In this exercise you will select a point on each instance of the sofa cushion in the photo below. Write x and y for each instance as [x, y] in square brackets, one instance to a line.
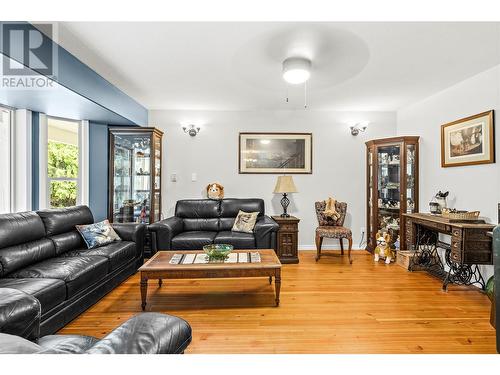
[194, 240]
[50, 292]
[208, 225]
[61, 220]
[98, 234]
[15, 257]
[239, 240]
[197, 209]
[20, 228]
[77, 272]
[69, 344]
[67, 241]
[19, 314]
[118, 253]
[230, 207]
[245, 222]
[11, 344]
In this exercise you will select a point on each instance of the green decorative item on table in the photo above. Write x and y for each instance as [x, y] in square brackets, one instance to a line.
[218, 251]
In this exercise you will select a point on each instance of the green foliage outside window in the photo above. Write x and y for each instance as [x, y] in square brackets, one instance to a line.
[62, 163]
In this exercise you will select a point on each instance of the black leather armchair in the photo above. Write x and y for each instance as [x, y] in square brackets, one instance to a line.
[147, 333]
[199, 222]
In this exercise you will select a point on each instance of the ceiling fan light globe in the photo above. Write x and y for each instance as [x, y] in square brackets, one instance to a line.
[296, 70]
[296, 76]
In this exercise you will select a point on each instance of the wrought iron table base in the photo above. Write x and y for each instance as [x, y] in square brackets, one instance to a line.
[426, 258]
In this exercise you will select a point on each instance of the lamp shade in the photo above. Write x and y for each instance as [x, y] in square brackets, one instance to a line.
[285, 185]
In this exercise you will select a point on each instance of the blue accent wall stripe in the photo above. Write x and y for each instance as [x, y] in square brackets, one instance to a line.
[98, 170]
[78, 79]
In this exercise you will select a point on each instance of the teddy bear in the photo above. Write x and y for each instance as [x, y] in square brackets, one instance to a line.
[383, 250]
[215, 191]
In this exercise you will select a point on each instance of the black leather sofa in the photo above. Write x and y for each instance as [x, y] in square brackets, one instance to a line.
[147, 333]
[199, 222]
[43, 255]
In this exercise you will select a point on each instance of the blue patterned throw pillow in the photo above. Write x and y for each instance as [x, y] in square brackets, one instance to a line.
[98, 234]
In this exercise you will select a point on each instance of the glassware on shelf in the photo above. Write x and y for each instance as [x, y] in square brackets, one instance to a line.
[134, 176]
[392, 186]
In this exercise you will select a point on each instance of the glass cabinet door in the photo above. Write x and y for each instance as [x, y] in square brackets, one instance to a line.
[388, 189]
[157, 179]
[411, 200]
[131, 178]
[371, 226]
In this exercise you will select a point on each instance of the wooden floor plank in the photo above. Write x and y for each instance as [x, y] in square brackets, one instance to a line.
[326, 307]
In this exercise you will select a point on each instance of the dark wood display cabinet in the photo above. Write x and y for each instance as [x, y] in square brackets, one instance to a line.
[288, 241]
[135, 175]
[391, 187]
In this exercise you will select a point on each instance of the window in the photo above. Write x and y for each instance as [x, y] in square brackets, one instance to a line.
[62, 162]
[5, 159]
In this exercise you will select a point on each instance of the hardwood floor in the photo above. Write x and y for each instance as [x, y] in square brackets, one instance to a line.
[326, 307]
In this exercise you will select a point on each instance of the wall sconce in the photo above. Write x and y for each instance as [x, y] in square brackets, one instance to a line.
[359, 127]
[192, 130]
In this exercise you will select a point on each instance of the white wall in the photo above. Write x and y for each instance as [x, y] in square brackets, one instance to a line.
[338, 159]
[471, 187]
[474, 187]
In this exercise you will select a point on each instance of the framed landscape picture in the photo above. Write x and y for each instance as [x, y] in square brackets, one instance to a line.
[468, 141]
[275, 153]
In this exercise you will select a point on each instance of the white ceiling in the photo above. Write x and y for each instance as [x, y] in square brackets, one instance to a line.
[237, 66]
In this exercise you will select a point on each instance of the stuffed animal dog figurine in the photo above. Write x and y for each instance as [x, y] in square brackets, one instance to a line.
[383, 250]
[330, 210]
[215, 191]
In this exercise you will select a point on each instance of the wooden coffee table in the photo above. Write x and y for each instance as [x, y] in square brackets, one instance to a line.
[158, 267]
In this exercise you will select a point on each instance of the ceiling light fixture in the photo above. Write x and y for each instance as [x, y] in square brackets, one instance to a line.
[296, 70]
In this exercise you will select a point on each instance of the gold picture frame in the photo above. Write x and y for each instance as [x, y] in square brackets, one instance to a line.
[275, 153]
[468, 141]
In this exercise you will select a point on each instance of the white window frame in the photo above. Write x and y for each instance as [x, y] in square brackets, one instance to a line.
[22, 161]
[83, 163]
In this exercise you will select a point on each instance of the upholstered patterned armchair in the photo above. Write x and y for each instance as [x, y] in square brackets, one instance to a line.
[330, 228]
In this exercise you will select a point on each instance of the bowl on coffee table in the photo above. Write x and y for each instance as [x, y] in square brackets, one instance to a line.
[218, 251]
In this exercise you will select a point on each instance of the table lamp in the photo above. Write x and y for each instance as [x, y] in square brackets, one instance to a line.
[285, 185]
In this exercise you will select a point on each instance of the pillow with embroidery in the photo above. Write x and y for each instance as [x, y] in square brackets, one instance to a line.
[245, 222]
[98, 234]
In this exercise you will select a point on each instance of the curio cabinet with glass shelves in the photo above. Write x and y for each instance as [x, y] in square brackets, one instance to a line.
[392, 187]
[135, 175]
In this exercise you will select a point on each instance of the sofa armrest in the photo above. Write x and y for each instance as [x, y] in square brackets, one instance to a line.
[19, 314]
[146, 333]
[131, 232]
[265, 232]
[165, 230]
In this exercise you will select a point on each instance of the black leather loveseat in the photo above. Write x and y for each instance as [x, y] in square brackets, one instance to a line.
[43, 255]
[199, 222]
[147, 333]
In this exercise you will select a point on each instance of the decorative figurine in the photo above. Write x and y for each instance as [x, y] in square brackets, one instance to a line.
[383, 250]
[397, 244]
[441, 200]
[330, 210]
[215, 191]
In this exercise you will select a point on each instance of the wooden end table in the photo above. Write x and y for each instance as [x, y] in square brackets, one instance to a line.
[158, 267]
[288, 240]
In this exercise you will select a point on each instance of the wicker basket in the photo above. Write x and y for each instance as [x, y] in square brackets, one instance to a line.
[472, 215]
[403, 258]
